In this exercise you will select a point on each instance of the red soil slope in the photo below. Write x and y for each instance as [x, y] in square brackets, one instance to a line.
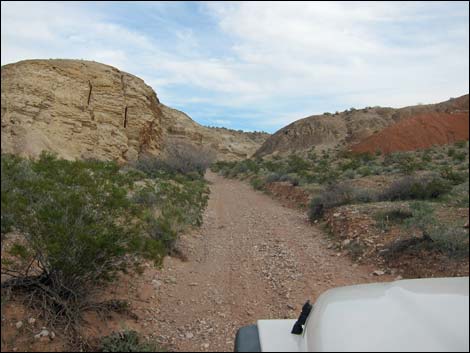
[417, 132]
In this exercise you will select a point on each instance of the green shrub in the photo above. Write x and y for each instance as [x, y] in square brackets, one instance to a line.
[82, 224]
[365, 171]
[257, 183]
[416, 188]
[453, 176]
[360, 195]
[126, 341]
[349, 174]
[273, 177]
[408, 164]
[459, 156]
[366, 157]
[460, 144]
[384, 219]
[333, 196]
[459, 195]
[356, 249]
[76, 220]
[296, 164]
[449, 239]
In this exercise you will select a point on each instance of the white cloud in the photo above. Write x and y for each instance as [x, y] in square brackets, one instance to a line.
[278, 59]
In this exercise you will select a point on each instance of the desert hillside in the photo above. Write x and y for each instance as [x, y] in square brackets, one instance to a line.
[352, 126]
[419, 132]
[82, 109]
[228, 144]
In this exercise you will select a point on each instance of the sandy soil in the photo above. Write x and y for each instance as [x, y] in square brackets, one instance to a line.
[252, 259]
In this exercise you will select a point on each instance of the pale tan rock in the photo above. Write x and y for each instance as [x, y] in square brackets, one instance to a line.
[83, 109]
[78, 109]
[226, 143]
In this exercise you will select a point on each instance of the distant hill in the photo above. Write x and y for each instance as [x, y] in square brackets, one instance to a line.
[351, 127]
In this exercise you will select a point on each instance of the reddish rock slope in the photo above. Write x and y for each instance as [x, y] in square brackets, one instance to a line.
[420, 131]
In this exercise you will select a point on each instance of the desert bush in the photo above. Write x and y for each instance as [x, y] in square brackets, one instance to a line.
[182, 158]
[82, 224]
[426, 156]
[455, 177]
[356, 249]
[366, 157]
[460, 144]
[333, 196]
[296, 164]
[459, 195]
[126, 341]
[416, 188]
[273, 177]
[449, 239]
[75, 219]
[219, 165]
[459, 156]
[384, 219]
[150, 165]
[349, 174]
[186, 158]
[452, 241]
[275, 166]
[365, 171]
[360, 195]
[408, 164]
[351, 164]
[257, 183]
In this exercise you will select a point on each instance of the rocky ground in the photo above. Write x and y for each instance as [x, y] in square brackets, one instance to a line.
[252, 259]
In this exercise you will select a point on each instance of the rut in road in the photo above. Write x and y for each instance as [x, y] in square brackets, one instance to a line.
[252, 259]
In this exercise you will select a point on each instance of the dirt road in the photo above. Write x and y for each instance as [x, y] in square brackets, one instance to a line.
[252, 259]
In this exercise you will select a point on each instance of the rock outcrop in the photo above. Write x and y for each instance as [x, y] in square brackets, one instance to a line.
[78, 109]
[341, 130]
[84, 109]
[226, 143]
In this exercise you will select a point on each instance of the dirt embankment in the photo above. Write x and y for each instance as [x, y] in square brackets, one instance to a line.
[418, 132]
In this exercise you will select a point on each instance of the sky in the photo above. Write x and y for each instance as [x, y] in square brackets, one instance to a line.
[258, 66]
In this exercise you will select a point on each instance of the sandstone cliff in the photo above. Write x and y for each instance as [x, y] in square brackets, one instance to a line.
[83, 109]
[78, 109]
[340, 130]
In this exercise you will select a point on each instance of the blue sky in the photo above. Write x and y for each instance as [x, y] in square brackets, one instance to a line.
[258, 66]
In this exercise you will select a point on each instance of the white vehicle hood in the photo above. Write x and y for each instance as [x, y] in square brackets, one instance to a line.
[407, 315]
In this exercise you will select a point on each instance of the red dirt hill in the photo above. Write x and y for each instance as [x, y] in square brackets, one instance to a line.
[417, 132]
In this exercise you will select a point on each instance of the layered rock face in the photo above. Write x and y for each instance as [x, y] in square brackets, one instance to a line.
[228, 144]
[82, 109]
[78, 109]
[351, 127]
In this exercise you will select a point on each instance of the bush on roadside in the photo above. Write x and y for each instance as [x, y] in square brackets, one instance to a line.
[416, 188]
[126, 341]
[76, 222]
[333, 196]
[182, 158]
[82, 222]
[257, 183]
